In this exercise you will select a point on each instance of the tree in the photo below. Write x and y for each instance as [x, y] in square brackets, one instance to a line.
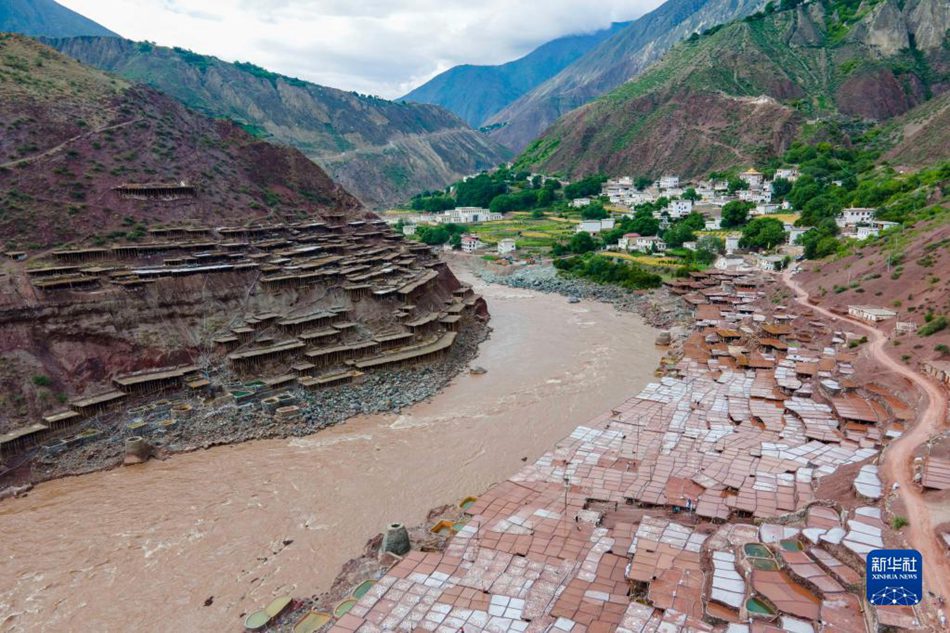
[642, 182]
[737, 184]
[594, 211]
[735, 213]
[478, 191]
[762, 233]
[690, 194]
[781, 187]
[677, 234]
[582, 243]
[585, 187]
[711, 244]
[433, 235]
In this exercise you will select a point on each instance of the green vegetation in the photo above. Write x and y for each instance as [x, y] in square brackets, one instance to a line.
[762, 233]
[585, 188]
[441, 234]
[42, 381]
[605, 270]
[898, 522]
[933, 325]
[736, 213]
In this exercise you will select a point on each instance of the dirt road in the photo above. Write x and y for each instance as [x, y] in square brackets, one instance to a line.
[897, 460]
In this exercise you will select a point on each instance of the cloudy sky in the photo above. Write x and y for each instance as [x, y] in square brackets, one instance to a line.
[382, 47]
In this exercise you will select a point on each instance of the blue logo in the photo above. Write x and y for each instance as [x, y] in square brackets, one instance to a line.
[895, 577]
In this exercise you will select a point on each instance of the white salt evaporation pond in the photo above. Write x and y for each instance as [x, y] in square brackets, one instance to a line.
[143, 547]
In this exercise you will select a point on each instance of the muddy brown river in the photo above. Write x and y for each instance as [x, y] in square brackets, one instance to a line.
[143, 547]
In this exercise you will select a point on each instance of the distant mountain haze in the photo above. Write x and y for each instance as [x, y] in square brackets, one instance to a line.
[475, 93]
[46, 18]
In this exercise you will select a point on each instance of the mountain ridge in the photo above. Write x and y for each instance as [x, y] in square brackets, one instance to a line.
[617, 59]
[73, 134]
[475, 92]
[48, 19]
[381, 151]
[742, 92]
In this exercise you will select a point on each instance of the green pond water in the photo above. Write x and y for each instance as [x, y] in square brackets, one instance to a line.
[756, 550]
[791, 545]
[754, 605]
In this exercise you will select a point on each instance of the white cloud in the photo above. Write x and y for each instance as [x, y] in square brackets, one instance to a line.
[383, 47]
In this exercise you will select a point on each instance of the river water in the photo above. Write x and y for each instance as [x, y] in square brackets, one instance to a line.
[143, 547]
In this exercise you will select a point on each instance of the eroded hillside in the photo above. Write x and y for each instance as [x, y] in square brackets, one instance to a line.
[381, 151]
[741, 93]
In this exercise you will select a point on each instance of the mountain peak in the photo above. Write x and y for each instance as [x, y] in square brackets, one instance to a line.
[46, 18]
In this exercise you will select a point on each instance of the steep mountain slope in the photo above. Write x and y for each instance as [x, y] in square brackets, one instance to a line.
[615, 60]
[383, 152]
[920, 137]
[47, 18]
[72, 133]
[739, 94]
[475, 93]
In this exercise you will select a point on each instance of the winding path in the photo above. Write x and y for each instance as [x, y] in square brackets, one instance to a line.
[897, 459]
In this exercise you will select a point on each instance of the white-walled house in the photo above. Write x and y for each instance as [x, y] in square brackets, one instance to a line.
[595, 226]
[871, 313]
[643, 243]
[681, 208]
[713, 225]
[578, 203]
[788, 173]
[409, 229]
[690, 246]
[855, 216]
[470, 243]
[771, 263]
[795, 232]
[753, 177]
[506, 246]
[669, 182]
[871, 229]
[732, 243]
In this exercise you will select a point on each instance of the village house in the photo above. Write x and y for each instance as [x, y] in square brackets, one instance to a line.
[752, 177]
[871, 229]
[409, 229]
[690, 246]
[714, 224]
[470, 243]
[619, 189]
[854, 216]
[771, 263]
[669, 182]
[729, 263]
[787, 173]
[732, 243]
[594, 226]
[680, 208]
[795, 232]
[578, 203]
[506, 246]
[871, 313]
[642, 243]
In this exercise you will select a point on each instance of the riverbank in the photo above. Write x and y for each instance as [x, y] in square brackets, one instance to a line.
[201, 426]
[230, 510]
[659, 307]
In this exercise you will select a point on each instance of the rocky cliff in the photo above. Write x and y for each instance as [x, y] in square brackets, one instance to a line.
[381, 151]
[741, 93]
